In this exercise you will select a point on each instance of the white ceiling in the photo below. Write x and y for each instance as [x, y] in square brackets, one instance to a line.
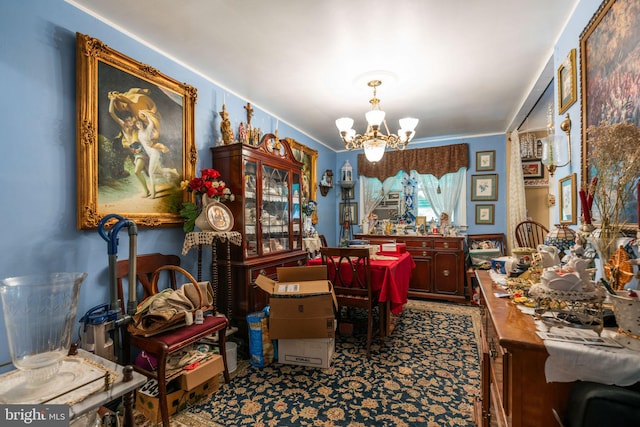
[463, 67]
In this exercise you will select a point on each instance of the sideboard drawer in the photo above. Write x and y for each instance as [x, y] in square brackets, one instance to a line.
[448, 244]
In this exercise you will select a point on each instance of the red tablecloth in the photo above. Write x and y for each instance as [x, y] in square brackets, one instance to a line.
[391, 276]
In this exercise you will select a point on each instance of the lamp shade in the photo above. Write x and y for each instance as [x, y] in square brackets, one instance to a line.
[374, 149]
[562, 237]
[344, 124]
[374, 117]
[408, 124]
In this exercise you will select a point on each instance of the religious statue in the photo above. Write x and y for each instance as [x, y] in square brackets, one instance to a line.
[225, 126]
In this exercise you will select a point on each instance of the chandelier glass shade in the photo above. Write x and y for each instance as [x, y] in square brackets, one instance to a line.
[374, 141]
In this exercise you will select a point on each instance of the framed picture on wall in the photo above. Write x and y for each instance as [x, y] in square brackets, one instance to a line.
[568, 205]
[485, 214]
[349, 212]
[567, 87]
[484, 187]
[309, 159]
[486, 160]
[607, 80]
[134, 138]
[532, 169]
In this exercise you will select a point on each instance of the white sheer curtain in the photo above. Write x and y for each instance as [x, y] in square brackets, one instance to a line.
[450, 185]
[372, 194]
[373, 191]
[516, 202]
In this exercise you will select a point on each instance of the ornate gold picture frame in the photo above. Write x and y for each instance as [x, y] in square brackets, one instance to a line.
[134, 138]
[567, 86]
[609, 71]
[309, 159]
[568, 196]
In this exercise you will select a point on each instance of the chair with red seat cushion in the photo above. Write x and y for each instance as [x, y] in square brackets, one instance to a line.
[166, 343]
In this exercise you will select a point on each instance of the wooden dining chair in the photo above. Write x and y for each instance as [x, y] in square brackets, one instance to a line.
[349, 270]
[530, 234]
[166, 343]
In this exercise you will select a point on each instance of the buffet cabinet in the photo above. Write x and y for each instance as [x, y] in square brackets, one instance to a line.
[266, 182]
[439, 272]
[514, 390]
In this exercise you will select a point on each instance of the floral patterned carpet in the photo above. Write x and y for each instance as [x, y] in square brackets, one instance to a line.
[427, 374]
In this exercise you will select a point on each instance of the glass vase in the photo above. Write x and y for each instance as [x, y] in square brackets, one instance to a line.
[39, 314]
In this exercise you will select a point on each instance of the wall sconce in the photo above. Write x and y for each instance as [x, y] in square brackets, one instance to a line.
[552, 156]
[326, 183]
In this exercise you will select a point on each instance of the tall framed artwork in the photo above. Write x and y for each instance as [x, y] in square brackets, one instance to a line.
[568, 203]
[309, 159]
[134, 138]
[567, 86]
[610, 71]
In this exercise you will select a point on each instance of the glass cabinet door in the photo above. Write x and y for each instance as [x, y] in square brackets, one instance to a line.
[274, 220]
[296, 215]
[250, 208]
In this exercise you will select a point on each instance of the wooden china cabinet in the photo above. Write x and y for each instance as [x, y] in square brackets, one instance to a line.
[266, 180]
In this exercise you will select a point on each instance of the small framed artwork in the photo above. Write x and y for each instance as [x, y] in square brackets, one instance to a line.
[486, 160]
[567, 192]
[349, 212]
[485, 214]
[567, 86]
[532, 169]
[484, 187]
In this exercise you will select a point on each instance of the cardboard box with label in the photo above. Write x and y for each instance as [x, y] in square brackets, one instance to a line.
[148, 402]
[204, 371]
[302, 303]
[316, 352]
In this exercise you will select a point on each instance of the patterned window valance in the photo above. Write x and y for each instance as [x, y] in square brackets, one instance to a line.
[436, 161]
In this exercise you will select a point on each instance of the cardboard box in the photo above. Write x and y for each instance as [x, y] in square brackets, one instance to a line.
[205, 370]
[302, 303]
[148, 402]
[316, 353]
[393, 248]
[388, 247]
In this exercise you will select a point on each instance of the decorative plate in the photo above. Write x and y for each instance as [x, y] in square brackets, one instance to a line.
[219, 216]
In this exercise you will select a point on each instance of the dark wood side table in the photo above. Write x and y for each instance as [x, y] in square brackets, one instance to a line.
[213, 239]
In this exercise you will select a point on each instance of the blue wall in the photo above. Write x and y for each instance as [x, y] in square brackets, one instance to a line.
[37, 170]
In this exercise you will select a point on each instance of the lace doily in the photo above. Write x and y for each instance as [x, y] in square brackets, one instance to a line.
[539, 291]
[196, 238]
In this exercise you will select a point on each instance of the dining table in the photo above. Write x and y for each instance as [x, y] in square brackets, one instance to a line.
[390, 273]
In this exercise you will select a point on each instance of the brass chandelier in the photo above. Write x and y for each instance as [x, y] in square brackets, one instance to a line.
[374, 141]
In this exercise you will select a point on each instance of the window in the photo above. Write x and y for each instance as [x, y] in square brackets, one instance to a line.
[412, 188]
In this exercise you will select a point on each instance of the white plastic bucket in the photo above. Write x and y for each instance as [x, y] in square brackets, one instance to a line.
[232, 355]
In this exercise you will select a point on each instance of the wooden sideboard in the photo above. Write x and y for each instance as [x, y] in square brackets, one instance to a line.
[439, 272]
[514, 389]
